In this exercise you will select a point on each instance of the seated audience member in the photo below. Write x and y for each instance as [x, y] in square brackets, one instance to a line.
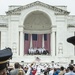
[5, 55]
[37, 52]
[44, 52]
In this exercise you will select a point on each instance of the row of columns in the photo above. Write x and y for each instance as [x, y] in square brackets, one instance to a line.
[53, 42]
[42, 42]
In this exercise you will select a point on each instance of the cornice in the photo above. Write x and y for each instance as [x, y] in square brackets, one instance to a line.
[3, 25]
[57, 13]
[37, 31]
[35, 4]
[3, 17]
[54, 26]
[13, 13]
[71, 25]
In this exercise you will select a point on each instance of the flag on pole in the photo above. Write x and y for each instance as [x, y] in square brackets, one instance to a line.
[37, 59]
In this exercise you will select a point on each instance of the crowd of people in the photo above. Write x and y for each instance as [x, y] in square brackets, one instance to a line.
[34, 51]
[41, 69]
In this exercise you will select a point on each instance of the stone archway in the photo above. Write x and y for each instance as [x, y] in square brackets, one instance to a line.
[37, 21]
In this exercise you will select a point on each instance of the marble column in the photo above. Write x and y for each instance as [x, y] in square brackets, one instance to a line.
[53, 50]
[31, 41]
[43, 41]
[21, 43]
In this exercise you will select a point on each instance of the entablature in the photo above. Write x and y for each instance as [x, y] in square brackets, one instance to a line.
[37, 3]
[3, 25]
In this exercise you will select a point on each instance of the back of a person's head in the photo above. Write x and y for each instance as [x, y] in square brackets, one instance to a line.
[55, 69]
[21, 72]
[62, 68]
[17, 65]
[67, 69]
[71, 67]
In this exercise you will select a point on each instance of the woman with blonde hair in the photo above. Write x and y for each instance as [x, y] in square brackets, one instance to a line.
[21, 72]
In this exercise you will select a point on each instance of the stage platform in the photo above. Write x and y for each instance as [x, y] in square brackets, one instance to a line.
[40, 59]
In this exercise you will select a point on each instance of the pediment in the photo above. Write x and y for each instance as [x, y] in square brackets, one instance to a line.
[37, 3]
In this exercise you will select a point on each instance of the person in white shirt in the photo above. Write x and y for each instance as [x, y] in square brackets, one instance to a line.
[38, 72]
[29, 69]
[70, 71]
[51, 71]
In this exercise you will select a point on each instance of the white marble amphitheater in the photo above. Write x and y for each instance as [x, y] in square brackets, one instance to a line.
[31, 29]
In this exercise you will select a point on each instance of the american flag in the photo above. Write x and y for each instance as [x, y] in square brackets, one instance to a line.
[37, 59]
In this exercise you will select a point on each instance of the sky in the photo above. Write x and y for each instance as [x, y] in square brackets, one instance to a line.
[4, 4]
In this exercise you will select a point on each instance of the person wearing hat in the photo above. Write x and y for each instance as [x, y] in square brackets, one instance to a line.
[5, 55]
[71, 67]
[71, 40]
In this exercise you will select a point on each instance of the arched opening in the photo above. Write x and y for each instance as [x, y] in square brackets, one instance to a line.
[37, 21]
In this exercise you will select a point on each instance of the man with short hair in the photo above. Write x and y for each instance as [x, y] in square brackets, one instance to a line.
[62, 72]
[70, 70]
